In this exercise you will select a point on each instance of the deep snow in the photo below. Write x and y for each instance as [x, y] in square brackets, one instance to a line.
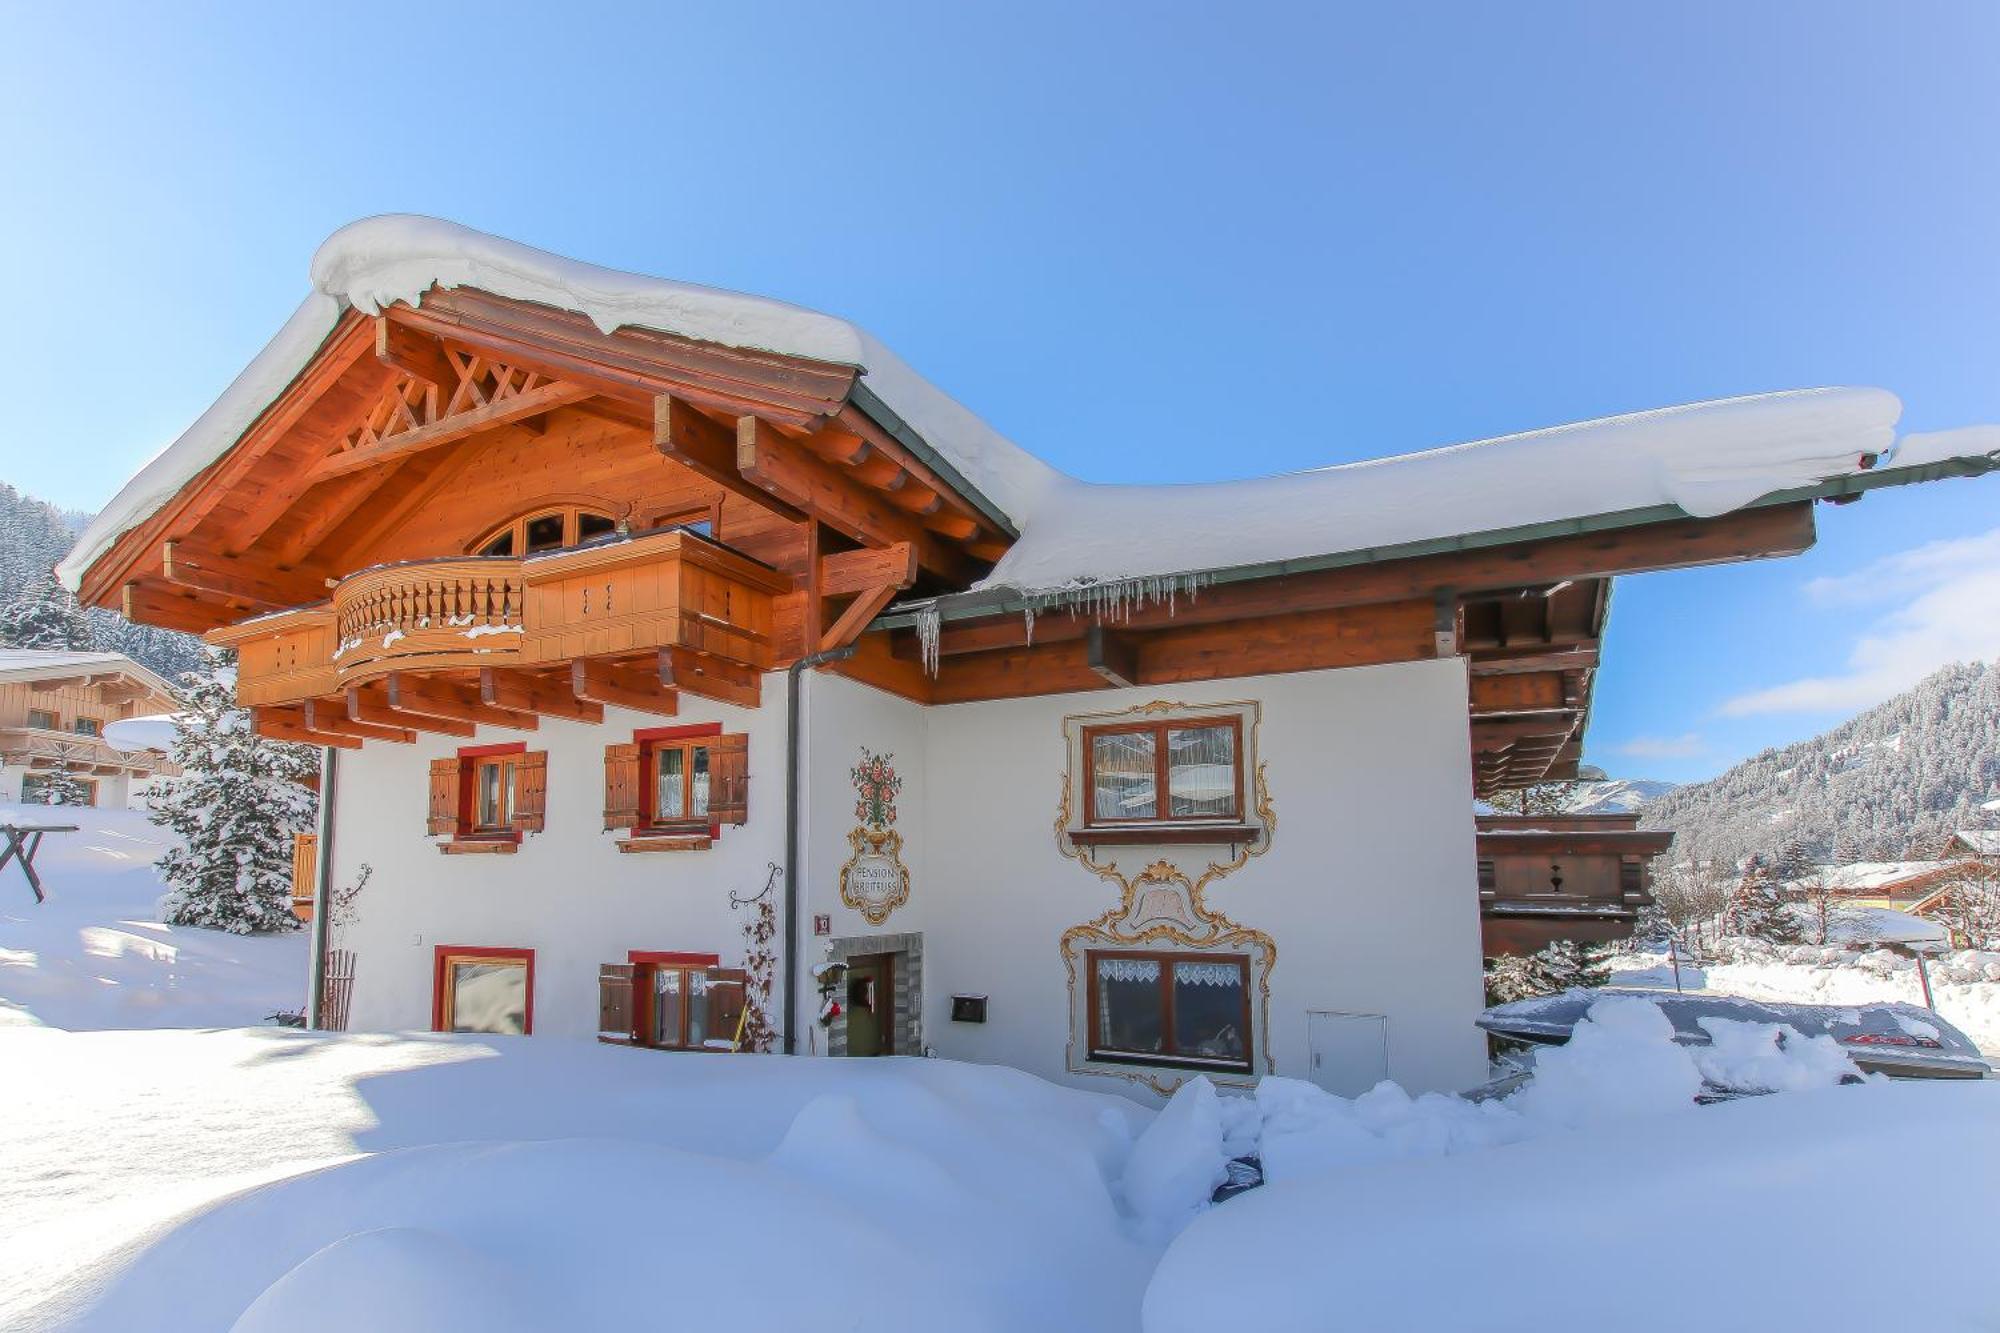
[96, 955]
[276, 1179]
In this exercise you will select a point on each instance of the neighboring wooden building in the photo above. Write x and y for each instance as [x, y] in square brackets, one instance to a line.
[1544, 878]
[641, 602]
[54, 707]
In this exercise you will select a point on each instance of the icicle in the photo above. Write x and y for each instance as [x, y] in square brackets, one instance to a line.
[928, 622]
[1028, 622]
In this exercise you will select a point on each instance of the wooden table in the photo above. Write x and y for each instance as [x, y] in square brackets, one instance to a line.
[24, 840]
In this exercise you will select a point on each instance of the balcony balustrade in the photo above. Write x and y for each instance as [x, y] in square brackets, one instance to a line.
[670, 589]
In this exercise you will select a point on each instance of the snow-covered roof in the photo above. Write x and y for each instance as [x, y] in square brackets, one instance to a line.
[1983, 841]
[17, 664]
[1866, 876]
[1707, 458]
[154, 731]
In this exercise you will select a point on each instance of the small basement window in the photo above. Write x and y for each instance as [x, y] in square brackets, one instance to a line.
[1188, 770]
[1188, 1011]
[484, 990]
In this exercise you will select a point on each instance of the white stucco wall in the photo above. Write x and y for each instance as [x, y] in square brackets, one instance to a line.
[1367, 888]
[569, 893]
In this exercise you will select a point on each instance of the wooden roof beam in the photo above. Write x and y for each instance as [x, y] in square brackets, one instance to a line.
[415, 354]
[288, 724]
[710, 677]
[368, 703]
[332, 719]
[623, 686]
[684, 433]
[524, 692]
[450, 429]
[446, 699]
[793, 473]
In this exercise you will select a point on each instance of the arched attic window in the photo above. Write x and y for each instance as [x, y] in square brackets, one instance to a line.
[546, 529]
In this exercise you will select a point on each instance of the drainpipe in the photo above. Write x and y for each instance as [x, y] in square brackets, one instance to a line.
[793, 676]
[322, 886]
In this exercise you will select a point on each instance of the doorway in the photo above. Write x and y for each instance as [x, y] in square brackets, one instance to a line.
[871, 1005]
[881, 995]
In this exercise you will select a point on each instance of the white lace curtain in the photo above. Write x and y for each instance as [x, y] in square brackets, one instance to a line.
[1207, 974]
[1127, 969]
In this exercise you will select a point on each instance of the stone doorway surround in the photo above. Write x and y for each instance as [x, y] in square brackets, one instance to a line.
[906, 956]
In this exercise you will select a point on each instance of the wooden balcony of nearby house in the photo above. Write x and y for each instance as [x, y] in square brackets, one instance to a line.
[1544, 878]
[407, 646]
[44, 750]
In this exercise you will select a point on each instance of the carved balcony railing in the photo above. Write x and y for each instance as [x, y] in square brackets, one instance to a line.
[669, 589]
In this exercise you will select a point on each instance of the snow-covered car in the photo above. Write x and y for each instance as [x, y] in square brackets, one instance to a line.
[1896, 1039]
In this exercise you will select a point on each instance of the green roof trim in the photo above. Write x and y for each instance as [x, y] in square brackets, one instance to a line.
[1002, 601]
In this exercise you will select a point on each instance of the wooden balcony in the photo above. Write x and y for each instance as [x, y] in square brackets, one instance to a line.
[459, 616]
[41, 750]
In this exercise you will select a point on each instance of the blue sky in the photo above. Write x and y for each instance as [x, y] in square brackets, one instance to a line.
[1161, 242]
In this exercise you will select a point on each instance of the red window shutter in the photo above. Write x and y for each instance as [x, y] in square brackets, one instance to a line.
[621, 786]
[727, 991]
[614, 1002]
[444, 797]
[531, 791]
[729, 779]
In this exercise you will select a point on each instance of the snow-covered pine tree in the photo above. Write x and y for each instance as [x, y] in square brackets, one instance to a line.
[46, 617]
[1759, 908]
[1543, 798]
[61, 786]
[1563, 965]
[238, 803]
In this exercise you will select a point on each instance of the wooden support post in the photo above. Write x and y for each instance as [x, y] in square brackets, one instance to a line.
[1445, 623]
[864, 608]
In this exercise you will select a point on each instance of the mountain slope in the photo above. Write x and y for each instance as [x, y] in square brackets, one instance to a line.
[1615, 796]
[1894, 781]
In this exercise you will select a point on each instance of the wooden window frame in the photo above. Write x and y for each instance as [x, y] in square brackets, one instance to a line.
[441, 999]
[646, 963]
[572, 517]
[1167, 1058]
[1162, 796]
[54, 717]
[96, 726]
[471, 759]
[651, 741]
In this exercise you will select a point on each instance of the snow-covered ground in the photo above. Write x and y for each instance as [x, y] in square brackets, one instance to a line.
[96, 955]
[274, 1179]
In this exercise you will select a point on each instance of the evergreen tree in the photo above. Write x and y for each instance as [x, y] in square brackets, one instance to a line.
[236, 807]
[61, 787]
[1543, 798]
[1759, 908]
[1563, 965]
[47, 617]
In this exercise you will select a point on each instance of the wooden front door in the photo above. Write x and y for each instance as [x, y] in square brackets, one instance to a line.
[871, 1009]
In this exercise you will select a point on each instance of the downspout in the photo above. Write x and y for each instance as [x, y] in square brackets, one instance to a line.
[322, 886]
[793, 676]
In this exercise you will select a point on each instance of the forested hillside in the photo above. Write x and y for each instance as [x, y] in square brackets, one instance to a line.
[1891, 784]
[33, 536]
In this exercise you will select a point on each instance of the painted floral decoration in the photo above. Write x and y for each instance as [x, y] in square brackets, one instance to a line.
[876, 783]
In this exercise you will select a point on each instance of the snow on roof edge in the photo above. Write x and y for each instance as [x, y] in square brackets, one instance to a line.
[378, 261]
[36, 664]
[1706, 458]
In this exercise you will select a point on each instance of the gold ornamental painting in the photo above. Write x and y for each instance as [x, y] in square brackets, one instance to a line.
[875, 882]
